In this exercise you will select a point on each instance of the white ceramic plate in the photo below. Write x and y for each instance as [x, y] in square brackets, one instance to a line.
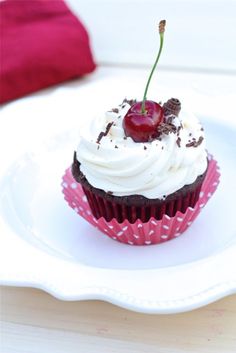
[45, 244]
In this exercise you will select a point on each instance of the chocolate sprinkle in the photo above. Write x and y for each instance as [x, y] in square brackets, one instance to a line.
[195, 143]
[102, 133]
[100, 136]
[167, 128]
[178, 129]
[178, 141]
[115, 110]
[129, 101]
[170, 119]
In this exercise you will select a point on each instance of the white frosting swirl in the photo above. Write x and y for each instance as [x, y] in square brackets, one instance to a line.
[152, 169]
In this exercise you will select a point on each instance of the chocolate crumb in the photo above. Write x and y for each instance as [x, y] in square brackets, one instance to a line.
[123, 106]
[115, 110]
[102, 133]
[110, 140]
[116, 146]
[202, 129]
[109, 192]
[178, 129]
[195, 143]
[170, 119]
[178, 141]
[167, 128]
[162, 147]
[144, 147]
[125, 138]
[129, 101]
[190, 134]
[100, 136]
[98, 147]
[119, 117]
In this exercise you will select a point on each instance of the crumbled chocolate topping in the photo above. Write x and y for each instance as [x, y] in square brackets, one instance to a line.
[170, 119]
[178, 129]
[125, 137]
[202, 129]
[195, 143]
[172, 106]
[190, 134]
[100, 136]
[167, 128]
[190, 144]
[178, 141]
[119, 117]
[162, 147]
[129, 101]
[116, 146]
[102, 133]
[115, 110]
[144, 147]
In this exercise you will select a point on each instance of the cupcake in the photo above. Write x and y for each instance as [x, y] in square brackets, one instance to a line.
[140, 170]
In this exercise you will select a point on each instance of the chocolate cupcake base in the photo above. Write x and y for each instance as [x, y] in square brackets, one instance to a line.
[133, 207]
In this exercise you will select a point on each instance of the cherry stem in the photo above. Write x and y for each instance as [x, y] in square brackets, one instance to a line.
[153, 68]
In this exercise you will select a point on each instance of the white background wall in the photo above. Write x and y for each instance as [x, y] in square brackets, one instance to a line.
[200, 34]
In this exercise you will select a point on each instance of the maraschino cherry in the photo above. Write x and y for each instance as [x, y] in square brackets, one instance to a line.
[143, 118]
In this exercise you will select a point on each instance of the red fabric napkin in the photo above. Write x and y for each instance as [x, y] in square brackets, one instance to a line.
[42, 44]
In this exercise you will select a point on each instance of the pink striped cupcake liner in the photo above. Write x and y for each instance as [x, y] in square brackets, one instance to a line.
[140, 233]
